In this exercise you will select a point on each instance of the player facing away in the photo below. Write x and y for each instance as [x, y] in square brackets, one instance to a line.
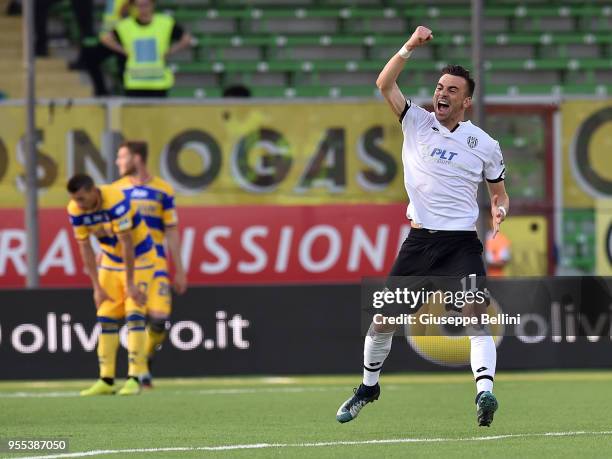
[120, 280]
[443, 210]
[155, 200]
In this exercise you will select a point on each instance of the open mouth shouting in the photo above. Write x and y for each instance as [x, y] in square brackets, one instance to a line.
[443, 107]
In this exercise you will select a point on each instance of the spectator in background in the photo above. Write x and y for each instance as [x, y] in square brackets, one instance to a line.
[115, 11]
[95, 56]
[497, 253]
[146, 41]
[83, 13]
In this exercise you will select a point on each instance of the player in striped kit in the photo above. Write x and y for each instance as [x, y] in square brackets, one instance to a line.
[155, 200]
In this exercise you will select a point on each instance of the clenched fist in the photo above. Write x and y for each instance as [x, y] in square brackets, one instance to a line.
[419, 37]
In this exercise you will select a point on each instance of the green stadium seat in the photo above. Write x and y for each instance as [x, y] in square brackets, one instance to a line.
[312, 47]
[578, 239]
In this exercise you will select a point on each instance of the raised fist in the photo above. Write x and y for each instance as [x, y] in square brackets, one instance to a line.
[419, 37]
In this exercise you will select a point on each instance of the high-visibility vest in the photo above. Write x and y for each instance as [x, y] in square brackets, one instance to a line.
[112, 14]
[146, 47]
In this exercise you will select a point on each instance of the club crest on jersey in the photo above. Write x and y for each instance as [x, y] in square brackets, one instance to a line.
[472, 142]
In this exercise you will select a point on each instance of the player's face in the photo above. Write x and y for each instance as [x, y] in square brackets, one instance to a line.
[145, 9]
[86, 199]
[125, 162]
[451, 98]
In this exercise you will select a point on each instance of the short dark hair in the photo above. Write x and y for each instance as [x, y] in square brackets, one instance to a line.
[137, 147]
[457, 70]
[78, 182]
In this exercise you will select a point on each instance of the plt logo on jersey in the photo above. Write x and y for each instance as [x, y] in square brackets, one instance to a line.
[443, 154]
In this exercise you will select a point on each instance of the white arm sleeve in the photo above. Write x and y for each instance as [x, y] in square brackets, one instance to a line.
[495, 169]
[414, 118]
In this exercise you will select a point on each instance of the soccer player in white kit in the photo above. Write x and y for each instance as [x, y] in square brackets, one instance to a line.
[445, 159]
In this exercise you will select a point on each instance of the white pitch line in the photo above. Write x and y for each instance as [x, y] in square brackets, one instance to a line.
[388, 441]
[39, 394]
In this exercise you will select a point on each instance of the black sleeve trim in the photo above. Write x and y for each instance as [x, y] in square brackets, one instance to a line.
[498, 179]
[408, 104]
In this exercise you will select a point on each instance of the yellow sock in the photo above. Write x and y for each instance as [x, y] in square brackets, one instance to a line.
[108, 343]
[154, 340]
[137, 359]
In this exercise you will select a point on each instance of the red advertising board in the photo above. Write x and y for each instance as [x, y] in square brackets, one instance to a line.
[233, 244]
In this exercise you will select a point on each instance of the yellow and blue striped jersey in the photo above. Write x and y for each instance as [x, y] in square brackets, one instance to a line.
[115, 215]
[155, 202]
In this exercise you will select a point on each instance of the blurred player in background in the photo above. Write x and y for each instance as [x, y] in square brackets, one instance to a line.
[155, 201]
[498, 252]
[120, 280]
[444, 161]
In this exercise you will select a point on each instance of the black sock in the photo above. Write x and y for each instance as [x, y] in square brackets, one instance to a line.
[109, 381]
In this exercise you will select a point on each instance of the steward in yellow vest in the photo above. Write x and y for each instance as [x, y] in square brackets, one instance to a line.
[147, 40]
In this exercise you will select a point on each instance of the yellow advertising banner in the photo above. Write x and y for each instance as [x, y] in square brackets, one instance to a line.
[528, 237]
[68, 140]
[587, 143]
[603, 237]
[304, 153]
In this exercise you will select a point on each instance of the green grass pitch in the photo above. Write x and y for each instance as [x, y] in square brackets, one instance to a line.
[544, 414]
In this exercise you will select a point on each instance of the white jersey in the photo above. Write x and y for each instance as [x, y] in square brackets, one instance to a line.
[442, 170]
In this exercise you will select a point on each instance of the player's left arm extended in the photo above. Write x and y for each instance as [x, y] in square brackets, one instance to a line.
[180, 277]
[127, 245]
[500, 203]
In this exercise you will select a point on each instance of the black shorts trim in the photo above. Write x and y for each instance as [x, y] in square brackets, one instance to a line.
[424, 233]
